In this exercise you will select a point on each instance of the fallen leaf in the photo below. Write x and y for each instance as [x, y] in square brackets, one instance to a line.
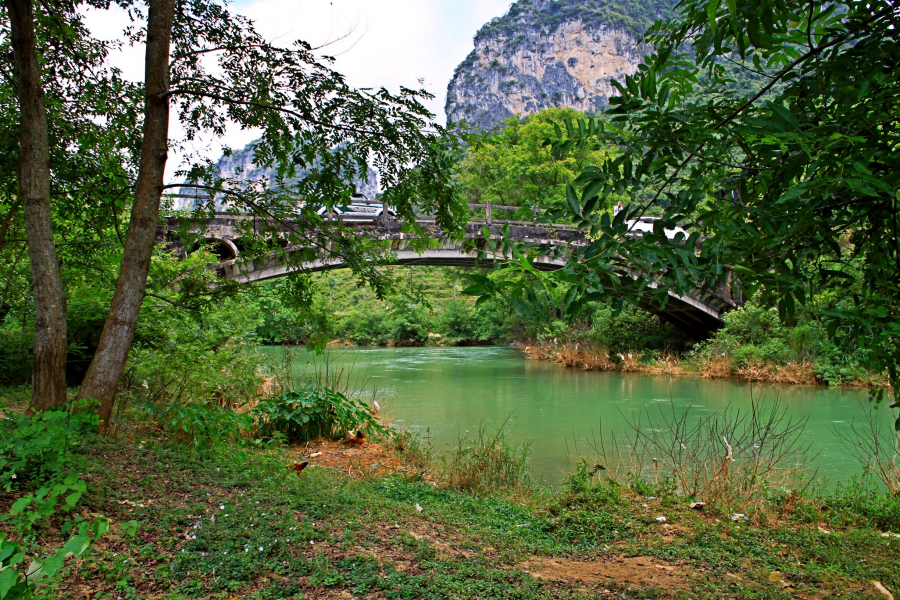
[883, 590]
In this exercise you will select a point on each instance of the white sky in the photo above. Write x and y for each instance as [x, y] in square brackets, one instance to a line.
[391, 43]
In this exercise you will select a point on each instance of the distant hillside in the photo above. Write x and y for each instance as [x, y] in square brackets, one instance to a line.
[546, 53]
[240, 166]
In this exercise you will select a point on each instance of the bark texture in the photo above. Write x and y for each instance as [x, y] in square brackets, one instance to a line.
[102, 379]
[49, 384]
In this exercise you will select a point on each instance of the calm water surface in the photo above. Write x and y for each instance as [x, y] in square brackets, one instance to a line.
[442, 392]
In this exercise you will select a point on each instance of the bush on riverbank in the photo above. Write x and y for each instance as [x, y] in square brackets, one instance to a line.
[759, 346]
[752, 344]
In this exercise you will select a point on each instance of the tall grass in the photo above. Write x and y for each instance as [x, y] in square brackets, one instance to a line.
[325, 373]
[732, 459]
[875, 443]
[485, 463]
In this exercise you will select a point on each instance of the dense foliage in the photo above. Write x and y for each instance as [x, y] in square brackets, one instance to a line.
[792, 188]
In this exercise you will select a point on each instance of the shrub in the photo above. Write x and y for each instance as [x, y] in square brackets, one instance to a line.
[753, 339]
[19, 579]
[632, 330]
[35, 449]
[410, 323]
[200, 422]
[312, 412]
[493, 323]
[457, 323]
[36, 452]
[367, 327]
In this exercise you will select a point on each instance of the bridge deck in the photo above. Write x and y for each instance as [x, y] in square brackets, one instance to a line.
[697, 314]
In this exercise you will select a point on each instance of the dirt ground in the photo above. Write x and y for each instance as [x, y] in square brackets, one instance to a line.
[368, 459]
[638, 571]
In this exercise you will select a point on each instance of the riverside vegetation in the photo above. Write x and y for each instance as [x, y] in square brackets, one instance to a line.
[233, 519]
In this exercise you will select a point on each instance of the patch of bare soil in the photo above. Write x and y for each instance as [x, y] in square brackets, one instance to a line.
[368, 459]
[639, 571]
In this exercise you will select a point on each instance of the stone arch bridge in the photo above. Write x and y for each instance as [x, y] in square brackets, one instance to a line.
[698, 314]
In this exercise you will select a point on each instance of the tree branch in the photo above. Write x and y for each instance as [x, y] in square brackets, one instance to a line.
[280, 109]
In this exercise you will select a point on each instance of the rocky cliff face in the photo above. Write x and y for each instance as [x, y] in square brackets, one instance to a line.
[240, 166]
[550, 53]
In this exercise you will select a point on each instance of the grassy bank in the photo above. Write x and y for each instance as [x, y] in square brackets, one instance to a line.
[236, 524]
[390, 519]
[590, 357]
[753, 344]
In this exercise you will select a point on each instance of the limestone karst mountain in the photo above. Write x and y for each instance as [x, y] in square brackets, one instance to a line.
[550, 53]
[241, 167]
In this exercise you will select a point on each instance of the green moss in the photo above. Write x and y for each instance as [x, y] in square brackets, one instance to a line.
[634, 16]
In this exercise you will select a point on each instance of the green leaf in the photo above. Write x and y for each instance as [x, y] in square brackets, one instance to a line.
[21, 504]
[785, 114]
[793, 193]
[8, 579]
[572, 199]
[51, 566]
[712, 9]
[35, 571]
[76, 546]
[72, 499]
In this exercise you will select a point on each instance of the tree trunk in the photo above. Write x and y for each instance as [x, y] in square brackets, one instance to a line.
[49, 382]
[102, 379]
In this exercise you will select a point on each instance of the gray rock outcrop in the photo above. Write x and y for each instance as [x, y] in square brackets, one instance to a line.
[546, 53]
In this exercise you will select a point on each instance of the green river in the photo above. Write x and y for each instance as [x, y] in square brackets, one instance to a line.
[444, 392]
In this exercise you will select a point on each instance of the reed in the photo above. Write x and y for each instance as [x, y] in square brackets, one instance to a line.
[731, 459]
[485, 463]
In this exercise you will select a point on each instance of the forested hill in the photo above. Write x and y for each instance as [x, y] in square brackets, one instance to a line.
[550, 53]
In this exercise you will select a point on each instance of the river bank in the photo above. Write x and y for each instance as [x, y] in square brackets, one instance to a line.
[233, 522]
[562, 413]
[588, 357]
[392, 516]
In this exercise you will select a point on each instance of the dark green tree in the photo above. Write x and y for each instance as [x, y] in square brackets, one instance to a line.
[790, 189]
[312, 121]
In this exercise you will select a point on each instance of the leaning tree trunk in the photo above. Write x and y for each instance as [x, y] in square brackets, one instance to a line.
[49, 389]
[102, 378]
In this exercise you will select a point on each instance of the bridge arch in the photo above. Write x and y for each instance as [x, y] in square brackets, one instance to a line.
[698, 313]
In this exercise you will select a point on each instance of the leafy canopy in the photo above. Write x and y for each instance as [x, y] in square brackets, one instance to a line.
[792, 188]
[514, 167]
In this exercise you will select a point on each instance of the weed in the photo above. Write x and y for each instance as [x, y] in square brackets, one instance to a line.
[732, 459]
[485, 463]
[37, 448]
[876, 445]
[312, 412]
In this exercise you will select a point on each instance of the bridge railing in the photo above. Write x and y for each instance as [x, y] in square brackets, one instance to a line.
[387, 217]
[637, 226]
